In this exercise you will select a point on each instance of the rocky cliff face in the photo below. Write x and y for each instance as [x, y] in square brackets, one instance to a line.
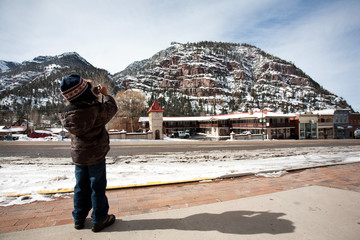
[227, 77]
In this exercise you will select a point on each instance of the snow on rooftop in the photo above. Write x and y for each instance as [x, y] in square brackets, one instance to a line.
[325, 112]
[57, 130]
[253, 115]
[12, 129]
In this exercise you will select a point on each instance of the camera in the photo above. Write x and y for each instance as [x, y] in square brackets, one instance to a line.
[96, 90]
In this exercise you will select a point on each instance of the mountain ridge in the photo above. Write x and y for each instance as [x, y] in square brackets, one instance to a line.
[30, 90]
[236, 76]
[203, 78]
[6, 65]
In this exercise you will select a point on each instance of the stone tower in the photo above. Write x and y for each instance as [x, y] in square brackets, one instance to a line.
[156, 120]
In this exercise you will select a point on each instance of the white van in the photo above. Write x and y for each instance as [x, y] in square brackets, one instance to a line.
[357, 133]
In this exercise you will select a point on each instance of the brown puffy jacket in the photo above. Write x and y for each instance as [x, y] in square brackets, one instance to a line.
[86, 124]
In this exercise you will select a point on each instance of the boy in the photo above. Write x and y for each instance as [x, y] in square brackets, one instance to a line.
[85, 118]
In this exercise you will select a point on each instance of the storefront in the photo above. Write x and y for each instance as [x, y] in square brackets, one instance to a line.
[308, 126]
[341, 123]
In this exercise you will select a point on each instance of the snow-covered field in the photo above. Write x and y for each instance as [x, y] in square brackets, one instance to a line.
[27, 176]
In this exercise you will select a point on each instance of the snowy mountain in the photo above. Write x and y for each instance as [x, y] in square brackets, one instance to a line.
[19, 74]
[225, 77]
[186, 79]
[31, 89]
[4, 65]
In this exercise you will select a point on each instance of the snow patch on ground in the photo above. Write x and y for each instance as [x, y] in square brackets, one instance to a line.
[271, 174]
[27, 176]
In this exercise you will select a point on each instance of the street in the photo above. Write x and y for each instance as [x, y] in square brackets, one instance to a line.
[60, 149]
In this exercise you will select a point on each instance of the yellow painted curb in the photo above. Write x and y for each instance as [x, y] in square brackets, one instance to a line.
[65, 190]
[158, 183]
[16, 195]
[149, 184]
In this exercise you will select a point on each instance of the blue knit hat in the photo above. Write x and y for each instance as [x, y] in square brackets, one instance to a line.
[75, 89]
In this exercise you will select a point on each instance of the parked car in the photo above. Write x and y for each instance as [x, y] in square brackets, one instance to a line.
[245, 133]
[12, 138]
[174, 134]
[40, 135]
[8, 138]
[357, 133]
[183, 134]
[180, 134]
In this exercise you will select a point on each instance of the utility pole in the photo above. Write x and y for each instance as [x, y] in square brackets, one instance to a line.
[262, 120]
[262, 112]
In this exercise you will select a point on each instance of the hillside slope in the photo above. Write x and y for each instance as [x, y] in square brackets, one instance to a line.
[226, 77]
[203, 78]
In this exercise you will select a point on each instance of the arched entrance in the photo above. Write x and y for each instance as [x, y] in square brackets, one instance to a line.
[157, 134]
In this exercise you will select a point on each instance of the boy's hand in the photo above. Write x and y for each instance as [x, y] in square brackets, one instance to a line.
[103, 90]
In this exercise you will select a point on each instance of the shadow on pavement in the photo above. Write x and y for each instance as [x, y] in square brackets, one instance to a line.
[233, 222]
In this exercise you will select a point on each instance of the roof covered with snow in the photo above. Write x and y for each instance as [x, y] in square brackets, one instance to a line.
[325, 112]
[12, 129]
[252, 115]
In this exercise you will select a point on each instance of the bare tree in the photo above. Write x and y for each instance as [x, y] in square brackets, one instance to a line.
[130, 104]
[101, 78]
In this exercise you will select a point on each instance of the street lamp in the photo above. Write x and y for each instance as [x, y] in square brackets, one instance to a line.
[262, 120]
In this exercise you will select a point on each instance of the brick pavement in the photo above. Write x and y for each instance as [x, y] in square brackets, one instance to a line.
[133, 201]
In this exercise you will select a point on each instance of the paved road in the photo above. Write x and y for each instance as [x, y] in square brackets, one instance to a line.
[61, 149]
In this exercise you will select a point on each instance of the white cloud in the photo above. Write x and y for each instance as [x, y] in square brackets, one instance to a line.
[112, 34]
[320, 37]
[323, 43]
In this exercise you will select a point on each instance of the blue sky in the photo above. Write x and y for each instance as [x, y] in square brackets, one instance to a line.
[320, 37]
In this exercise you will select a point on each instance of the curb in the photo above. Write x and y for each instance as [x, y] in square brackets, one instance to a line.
[149, 184]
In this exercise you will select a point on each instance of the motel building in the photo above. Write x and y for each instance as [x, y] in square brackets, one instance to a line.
[261, 125]
[322, 124]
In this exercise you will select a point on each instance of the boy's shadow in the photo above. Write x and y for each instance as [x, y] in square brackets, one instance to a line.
[234, 222]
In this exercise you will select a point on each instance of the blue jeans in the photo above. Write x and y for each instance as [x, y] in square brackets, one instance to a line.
[89, 192]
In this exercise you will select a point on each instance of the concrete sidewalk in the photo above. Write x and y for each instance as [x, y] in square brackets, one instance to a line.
[311, 212]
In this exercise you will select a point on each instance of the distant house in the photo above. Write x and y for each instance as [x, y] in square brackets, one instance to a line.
[325, 123]
[10, 130]
[354, 121]
[341, 123]
[60, 131]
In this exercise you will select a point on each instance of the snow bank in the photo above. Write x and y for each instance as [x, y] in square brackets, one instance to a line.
[27, 176]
